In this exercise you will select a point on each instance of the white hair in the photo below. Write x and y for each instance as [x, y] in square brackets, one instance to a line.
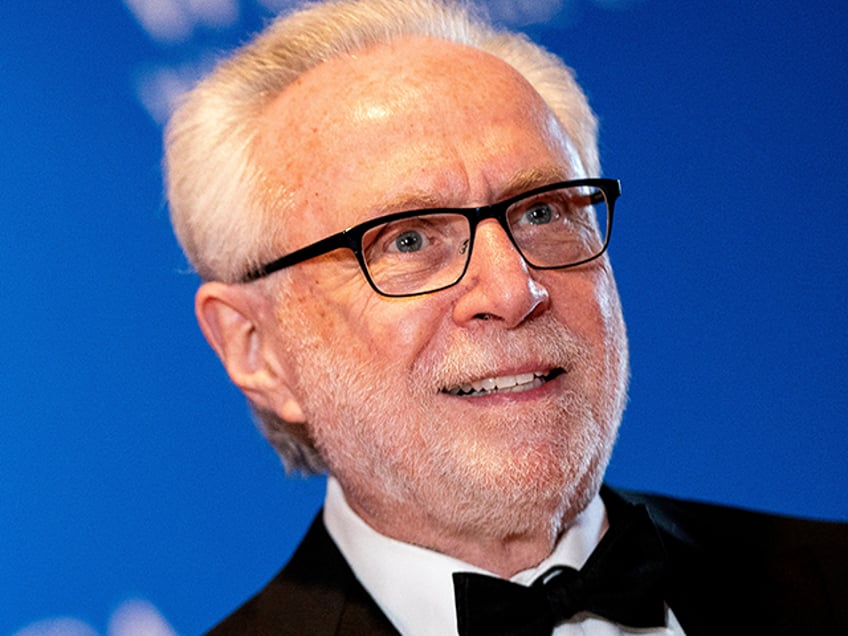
[226, 210]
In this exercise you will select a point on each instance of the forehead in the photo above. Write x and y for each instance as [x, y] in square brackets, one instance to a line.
[414, 123]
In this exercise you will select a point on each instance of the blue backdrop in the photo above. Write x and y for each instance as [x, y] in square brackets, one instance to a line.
[129, 469]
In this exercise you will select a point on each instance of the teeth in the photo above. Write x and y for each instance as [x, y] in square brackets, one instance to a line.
[506, 384]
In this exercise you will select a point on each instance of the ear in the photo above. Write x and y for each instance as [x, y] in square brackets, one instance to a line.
[240, 326]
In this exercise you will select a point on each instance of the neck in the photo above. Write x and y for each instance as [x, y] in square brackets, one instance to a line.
[503, 556]
[503, 553]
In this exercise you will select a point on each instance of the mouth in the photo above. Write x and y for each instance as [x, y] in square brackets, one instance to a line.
[504, 384]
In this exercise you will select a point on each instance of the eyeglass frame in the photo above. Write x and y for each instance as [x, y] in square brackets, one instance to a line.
[351, 238]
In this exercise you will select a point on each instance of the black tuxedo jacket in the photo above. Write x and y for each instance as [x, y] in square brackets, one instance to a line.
[732, 572]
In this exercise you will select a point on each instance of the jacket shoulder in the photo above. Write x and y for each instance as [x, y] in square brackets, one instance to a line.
[787, 573]
[715, 526]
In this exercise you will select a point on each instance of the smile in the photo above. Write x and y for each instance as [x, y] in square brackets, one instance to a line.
[503, 384]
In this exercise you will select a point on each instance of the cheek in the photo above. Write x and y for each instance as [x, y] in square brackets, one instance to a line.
[399, 332]
[608, 301]
[586, 302]
[613, 332]
[348, 315]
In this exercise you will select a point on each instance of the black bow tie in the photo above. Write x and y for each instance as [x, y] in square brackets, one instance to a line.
[622, 581]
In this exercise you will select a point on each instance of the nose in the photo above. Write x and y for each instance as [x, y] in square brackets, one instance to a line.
[498, 284]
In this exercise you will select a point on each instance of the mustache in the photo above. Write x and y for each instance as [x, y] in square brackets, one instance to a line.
[542, 344]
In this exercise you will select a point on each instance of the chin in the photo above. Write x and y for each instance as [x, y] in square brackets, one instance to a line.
[516, 491]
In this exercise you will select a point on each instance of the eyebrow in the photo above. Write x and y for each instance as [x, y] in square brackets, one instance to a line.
[532, 178]
[413, 200]
[424, 200]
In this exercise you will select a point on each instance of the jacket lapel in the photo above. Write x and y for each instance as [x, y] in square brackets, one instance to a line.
[316, 593]
[330, 593]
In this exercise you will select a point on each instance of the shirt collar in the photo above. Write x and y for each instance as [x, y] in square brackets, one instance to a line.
[413, 585]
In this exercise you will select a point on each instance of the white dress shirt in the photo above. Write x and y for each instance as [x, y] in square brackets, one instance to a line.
[413, 586]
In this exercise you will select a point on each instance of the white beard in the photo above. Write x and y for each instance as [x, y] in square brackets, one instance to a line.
[387, 435]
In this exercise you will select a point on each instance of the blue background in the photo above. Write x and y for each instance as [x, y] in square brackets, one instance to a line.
[128, 464]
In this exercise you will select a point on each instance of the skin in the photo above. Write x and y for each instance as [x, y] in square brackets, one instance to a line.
[492, 480]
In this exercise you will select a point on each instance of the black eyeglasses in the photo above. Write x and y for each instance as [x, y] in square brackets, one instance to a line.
[555, 226]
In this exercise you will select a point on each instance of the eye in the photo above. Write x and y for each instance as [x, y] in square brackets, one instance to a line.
[417, 238]
[540, 214]
[409, 241]
[408, 237]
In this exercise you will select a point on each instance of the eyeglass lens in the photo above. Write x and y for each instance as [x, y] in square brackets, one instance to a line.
[430, 251]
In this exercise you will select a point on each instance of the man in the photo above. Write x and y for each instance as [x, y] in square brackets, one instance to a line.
[397, 215]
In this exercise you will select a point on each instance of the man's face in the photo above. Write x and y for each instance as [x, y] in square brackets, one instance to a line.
[424, 124]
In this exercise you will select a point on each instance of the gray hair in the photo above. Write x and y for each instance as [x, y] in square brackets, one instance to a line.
[225, 210]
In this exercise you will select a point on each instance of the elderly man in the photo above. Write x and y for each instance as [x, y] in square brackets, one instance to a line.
[398, 219]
